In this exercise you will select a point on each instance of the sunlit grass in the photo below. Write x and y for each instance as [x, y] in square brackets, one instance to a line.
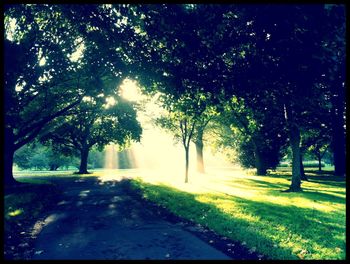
[253, 210]
[26, 203]
[15, 212]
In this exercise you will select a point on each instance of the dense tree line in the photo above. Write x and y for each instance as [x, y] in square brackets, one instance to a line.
[268, 76]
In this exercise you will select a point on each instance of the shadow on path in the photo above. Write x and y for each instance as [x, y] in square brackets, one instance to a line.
[107, 220]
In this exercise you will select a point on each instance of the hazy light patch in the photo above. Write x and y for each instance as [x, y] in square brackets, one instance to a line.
[15, 212]
[88, 99]
[130, 90]
[41, 58]
[42, 61]
[11, 29]
[19, 86]
[159, 159]
[78, 53]
[151, 111]
[111, 161]
[110, 101]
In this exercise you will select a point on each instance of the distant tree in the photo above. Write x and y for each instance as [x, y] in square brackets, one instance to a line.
[94, 125]
[96, 158]
[256, 133]
[198, 137]
[182, 126]
[317, 142]
[22, 157]
[186, 119]
[57, 160]
[38, 156]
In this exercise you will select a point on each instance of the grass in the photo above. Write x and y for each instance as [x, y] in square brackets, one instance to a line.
[252, 209]
[28, 202]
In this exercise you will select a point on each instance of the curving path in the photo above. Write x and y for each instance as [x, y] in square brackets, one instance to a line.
[105, 220]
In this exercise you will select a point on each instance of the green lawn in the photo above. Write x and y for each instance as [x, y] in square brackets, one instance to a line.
[253, 210]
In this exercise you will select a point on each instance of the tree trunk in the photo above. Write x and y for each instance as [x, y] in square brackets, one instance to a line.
[338, 134]
[9, 180]
[199, 149]
[53, 167]
[8, 163]
[259, 164]
[259, 161]
[84, 154]
[294, 135]
[339, 154]
[187, 150]
[302, 171]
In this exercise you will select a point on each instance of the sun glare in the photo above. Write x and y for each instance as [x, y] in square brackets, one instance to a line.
[130, 90]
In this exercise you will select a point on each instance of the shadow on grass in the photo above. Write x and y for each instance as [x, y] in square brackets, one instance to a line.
[312, 225]
[314, 194]
[309, 193]
[323, 177]
[322, 172]
[265, 184]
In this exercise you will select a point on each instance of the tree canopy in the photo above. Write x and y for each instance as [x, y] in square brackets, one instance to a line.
[274, 72]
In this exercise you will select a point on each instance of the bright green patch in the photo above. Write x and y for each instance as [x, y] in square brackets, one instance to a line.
[16, 212]
[252, 209]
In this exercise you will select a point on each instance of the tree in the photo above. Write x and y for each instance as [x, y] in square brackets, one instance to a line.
[181, 122]
[286, 56]
[47, 48]
[256, 133]
[317, 141]
[94, 125]
[96, 158]
[332, 62]
[31, 86]
[255, 53]
[198, 135]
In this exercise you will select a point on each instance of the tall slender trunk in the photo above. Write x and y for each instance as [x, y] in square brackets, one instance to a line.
[294, 135]
[84, 154]
[9, 180]
[338, 134]
[199, 150]
[187, 150]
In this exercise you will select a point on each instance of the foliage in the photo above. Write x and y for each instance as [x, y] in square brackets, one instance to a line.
[280, 60]
[50, 53]
[253, 133]
[40, 157]
[96, 158]
[95, 124]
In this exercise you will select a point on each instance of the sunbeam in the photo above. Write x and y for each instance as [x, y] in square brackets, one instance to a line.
[111, 161]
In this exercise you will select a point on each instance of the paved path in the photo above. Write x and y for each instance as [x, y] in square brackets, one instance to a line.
[96, 220]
